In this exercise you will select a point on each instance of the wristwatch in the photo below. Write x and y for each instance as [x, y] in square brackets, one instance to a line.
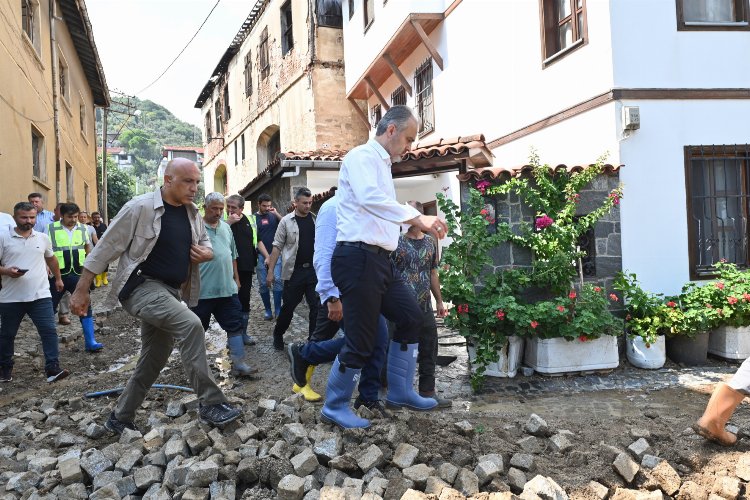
[332, 300]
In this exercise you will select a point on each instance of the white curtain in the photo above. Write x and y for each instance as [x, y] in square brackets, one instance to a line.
[709, 11]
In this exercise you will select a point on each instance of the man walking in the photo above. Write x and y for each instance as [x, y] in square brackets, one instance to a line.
[295, 242]
[25, 255]
[219, 284]
[267, 220]
[246, 240]
[368, 226]
[71, 244]
[160, 240]
[43, 217]
[416, 258]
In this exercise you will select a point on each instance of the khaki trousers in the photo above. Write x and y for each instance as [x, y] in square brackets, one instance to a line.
[164, 320]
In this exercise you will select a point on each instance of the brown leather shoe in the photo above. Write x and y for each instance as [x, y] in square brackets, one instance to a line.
[63, 320]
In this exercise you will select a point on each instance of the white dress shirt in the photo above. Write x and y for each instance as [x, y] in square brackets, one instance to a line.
[367, 207]
[325, 244]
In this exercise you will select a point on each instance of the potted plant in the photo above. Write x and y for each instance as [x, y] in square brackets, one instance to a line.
[647, 320]
[692, 314]
[731, 338]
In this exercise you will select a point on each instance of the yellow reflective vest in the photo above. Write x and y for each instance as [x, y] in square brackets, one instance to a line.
[70, 252]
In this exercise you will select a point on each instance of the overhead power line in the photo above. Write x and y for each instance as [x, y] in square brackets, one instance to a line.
[183, 49]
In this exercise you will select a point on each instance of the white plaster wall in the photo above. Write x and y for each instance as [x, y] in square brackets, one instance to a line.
[648, 51]
[424, 188]
[653, 211]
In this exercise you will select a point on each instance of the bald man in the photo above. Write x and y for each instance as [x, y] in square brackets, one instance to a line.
[160, 239]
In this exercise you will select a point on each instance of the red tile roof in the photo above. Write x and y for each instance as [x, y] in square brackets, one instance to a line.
[111, 150]
[508, 172]
[183, 148]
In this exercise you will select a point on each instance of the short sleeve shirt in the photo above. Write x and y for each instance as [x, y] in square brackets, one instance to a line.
[266, 225]
[416, 259]
[25, 253]
[217, 275]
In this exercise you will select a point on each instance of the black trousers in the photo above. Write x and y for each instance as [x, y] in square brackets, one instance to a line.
[300, 285]
[369, 286]
[246, 285]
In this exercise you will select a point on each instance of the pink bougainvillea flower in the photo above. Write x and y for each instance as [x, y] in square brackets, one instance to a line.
[543, 221]
[482, 185]
[719, 285]
[462, 308]
[671, 304]
[597, 289]
[576, 198]
[572, 295]
[613, 297]
[500, 314]
[732, 300]
[615, 198]
[534, 324]
[483, 211]
[561, 308]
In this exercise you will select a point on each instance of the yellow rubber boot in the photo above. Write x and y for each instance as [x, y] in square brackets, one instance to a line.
[98, 281]
[307, 391]
[104, 278]
[719, 409]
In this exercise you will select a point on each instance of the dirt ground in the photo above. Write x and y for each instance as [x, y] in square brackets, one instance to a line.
[602, 422]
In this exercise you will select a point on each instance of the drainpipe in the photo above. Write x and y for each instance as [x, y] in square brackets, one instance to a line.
[55, 96]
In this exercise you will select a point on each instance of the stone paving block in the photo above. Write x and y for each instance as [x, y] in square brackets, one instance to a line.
[486, 471]
[248, 431]
[42, 464]
[108, 492]
[536, 426]
[129, 436]
[396, 488]
[196, 493]
[639, 448]
[371, 458]
[23, 481]
[93, 462]
[599, 490]
[418, 474]
[294, 433]
[435, 485]
[451, 494]
[448, 472]
[104, 478]
[726, 487]
[202, 474]
[174, 447]
[404, 455]
[561, 443]
[197, 442]
[414, 495]
[332, 493]
[265, 405]
[516, 479]
[650, 461]
[627, 494]
[467, 482]
[128, 460]
[146, 476]
[353, 487]
[223, 490]
[126, 486]
[464, 427]
[155, 458]
[175, 409]
[345, 463]
[523, 461]
[157, 492]
[531, 444]
[327, 449]
[247, 470]
[291, 487]
[743, 467]
[377, 485]
[334, 478]
[625, 466]
[666, 477]
[70, 470]
[544, 487]
[95, 431]
[305, 462]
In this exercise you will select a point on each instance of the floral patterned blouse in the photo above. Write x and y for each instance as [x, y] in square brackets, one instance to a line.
[415, 260]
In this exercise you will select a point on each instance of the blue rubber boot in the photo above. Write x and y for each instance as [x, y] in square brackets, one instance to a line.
[266, 297]
[337, 408]
[88, 335]
[237, 356]
[277, 302]
[246, 339]
[402, 363]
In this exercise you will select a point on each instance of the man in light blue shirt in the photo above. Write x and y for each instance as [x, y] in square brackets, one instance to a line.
[43, 217]
[219, 284]
[321, 347]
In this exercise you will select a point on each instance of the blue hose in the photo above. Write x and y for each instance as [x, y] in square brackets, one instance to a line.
[118, 390]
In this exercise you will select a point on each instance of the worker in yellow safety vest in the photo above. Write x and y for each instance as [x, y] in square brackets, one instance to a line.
[71, 244]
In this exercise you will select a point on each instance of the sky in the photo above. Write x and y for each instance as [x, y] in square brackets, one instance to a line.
[137, 39]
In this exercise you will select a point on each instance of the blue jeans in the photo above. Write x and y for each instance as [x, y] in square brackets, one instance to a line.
[70, 281]
[226, 310]
[262, 273]
[40, 312]
[317, 352]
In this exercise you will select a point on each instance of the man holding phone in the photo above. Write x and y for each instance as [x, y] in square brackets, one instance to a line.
[25, 255]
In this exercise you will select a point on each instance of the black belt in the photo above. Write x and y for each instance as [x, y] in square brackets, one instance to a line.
[173, 285]
[364, 246]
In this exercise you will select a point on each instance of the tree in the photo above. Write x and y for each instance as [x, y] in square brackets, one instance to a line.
[120, 186]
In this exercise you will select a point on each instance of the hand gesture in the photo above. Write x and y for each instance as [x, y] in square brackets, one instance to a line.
[442, 312]
[200, 254]
[79, 301]
[431, 225]
[233, 218]
[13, 272]
[335, 311]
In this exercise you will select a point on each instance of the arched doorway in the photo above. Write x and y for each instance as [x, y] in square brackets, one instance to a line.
[268, 146]
[220, 179]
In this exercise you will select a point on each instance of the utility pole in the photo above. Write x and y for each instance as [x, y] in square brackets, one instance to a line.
[128, 113]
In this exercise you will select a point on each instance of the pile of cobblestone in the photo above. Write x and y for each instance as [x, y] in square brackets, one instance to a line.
[58, 449]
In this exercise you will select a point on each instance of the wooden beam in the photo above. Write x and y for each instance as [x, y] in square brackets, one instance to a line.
[360, 113]
[377, 93]
[428, 43]
[392, 64]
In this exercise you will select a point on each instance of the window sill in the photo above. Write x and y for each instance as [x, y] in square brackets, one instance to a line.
[42, 183]
[34, 52]
[564, 52]
[705, 26]
[368, 26]
[425, 133]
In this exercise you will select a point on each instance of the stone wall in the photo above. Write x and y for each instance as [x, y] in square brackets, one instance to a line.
[605, 254]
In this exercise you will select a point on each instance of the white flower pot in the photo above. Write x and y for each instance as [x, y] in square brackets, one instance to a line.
[560, 356]
[730, 342]
[649, 357]
[507, 364]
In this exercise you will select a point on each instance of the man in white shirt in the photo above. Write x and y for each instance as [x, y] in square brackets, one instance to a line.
[369, 218]
[25, 255]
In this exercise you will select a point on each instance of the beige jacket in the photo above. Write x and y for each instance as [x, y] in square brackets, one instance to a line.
[286, 240]
[132, 235]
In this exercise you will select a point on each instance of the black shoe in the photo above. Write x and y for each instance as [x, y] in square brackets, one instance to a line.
[219, 414]
[6, 373]
[376, 407]
[297, 365]
[116, 426]
[55, 373]
[279, 346]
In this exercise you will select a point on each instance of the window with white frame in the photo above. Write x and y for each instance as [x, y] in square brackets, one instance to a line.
[713, 14]
[30, 22]
[423, 97]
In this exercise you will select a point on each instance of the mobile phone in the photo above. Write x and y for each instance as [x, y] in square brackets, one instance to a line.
[22, 271]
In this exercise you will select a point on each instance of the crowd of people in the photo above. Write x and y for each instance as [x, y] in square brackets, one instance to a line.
[365, 264]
